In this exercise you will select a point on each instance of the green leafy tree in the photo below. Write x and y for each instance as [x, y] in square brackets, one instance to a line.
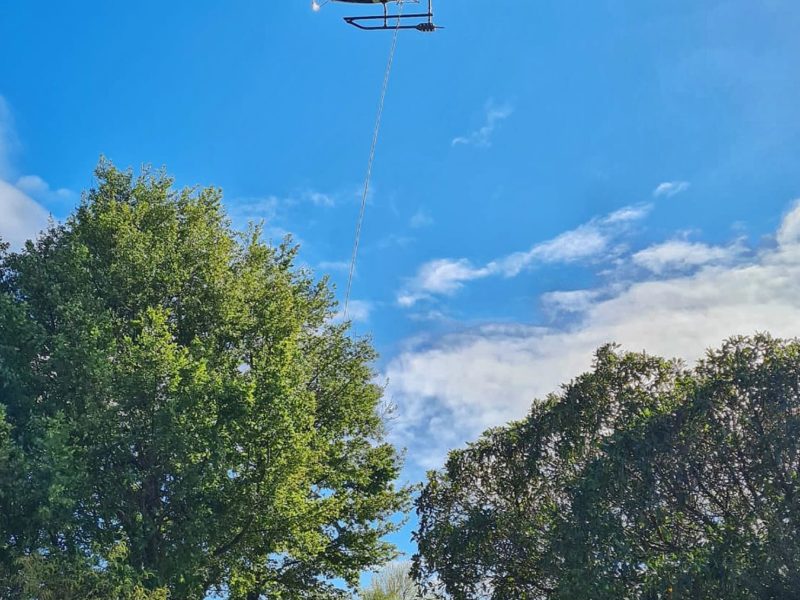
[180, 414]
[641, 480]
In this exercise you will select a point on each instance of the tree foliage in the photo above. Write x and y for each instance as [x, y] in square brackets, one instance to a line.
[179, 413]
[642, 479]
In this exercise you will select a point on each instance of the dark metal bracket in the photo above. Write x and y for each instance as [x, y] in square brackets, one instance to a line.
[390, 22]
[425, 26]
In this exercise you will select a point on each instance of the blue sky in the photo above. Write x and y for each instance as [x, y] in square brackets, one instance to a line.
[550, 175]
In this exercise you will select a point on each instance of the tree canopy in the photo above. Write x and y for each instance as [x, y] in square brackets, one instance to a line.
[642, 479]
[179, 413]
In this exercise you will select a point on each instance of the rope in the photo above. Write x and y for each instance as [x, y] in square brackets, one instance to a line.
[372, 159]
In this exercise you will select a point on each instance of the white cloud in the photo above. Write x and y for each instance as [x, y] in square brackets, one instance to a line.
[394, 240]
[628, 214]
[8, 138]
[574, 301]
[421, 218]
[38, 188]
[430, 316]
[441, 276]
[244, 210]
[668, 189]
[21, 217]
[585, 241]
[266, 212]
[682, 255]
[319, 198]
[482, 137]
[789, 231]
[275, 212]
[591, 240]
[449, 389]
[273, 207]
[341, 266]
[358, 311]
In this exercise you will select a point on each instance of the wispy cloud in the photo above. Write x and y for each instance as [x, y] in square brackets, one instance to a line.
[789, 231]
[678, 255]
[591, 240]
[482, 137]
[277, 212]
[22, 215]
[394, 240]
[341, 266]
[318, 198]
[441, 276]
[572, 301]
[38, 188]
[358, 311]
[268, 212]
[430, 316]
[254, 209]
[8, 138]
[668, 189]
[450, 388]
[421, 218]
[585, 241]
[272, 207]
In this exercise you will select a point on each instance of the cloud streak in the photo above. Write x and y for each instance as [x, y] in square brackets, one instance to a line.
[358, 311]
[446, 276]
[420, 219]
[668, 189]
[22, 217]
[38, 188]
[680, 255]
[482, 137]
[8, 138]
[449, 389]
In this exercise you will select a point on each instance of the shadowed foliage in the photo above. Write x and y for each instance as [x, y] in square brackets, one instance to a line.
[641, 479]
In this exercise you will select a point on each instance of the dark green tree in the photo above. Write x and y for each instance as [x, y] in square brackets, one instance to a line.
[179, 413]
[641, 480]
